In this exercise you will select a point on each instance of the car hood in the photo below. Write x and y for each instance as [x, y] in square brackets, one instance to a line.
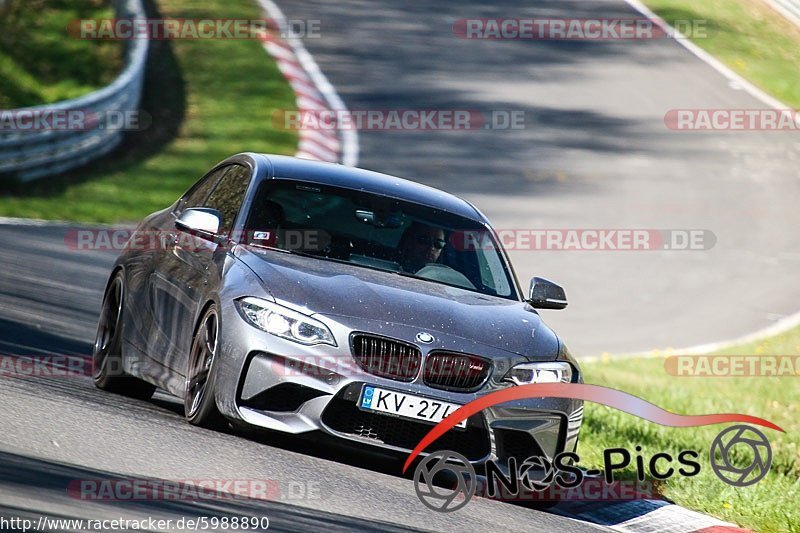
[336, 289]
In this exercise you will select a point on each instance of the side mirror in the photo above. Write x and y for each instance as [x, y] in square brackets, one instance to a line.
[200, 221]
[544, 294]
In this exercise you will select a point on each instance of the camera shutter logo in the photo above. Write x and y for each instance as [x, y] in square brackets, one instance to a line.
[537, 473]
[735, 446]
[441, 498]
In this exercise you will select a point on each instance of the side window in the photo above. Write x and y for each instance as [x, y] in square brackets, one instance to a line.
[196, 197]
[493, 273]
[228, 196]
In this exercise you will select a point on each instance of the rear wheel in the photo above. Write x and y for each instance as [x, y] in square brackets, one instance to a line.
[107, 354]
[200, 404]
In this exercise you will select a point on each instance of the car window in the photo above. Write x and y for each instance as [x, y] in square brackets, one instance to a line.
[229, 194]
[197, 195]
[378, 232]
[491, 270]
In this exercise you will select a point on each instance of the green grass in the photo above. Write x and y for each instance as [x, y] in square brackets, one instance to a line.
[749, 37]
[40, 64]
[769, 505]
[208, 99]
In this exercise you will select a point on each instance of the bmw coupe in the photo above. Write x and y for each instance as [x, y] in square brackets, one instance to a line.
[301, 296]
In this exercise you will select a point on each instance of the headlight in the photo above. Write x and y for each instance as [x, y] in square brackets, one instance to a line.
[284, 322]
[527, 373]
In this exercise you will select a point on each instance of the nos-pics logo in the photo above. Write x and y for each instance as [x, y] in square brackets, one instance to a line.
[446, 481]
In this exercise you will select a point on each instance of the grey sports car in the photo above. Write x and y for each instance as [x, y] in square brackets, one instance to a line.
[301, 296]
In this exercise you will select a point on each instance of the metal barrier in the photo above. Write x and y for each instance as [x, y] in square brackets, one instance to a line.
[28, 154]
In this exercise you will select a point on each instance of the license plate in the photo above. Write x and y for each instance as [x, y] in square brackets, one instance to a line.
[406, 405]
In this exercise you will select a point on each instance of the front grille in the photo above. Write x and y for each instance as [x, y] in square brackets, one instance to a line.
[455, 371]
[387, 358]
[345, 417]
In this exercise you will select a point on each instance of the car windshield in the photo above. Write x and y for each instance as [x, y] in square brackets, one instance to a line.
[378, 232]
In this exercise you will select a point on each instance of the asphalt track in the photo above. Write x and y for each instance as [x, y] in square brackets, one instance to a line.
[595, 155]
[56, 430]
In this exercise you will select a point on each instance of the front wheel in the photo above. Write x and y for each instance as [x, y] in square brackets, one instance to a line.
[107, 354]
[200, 404]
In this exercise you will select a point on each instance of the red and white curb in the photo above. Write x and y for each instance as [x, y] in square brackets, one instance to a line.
[645, 516]
[313, 93]
[675, 519]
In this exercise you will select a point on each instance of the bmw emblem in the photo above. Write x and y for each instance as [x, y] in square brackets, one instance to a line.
[425, 338]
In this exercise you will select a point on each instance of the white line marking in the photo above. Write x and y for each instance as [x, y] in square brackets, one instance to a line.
[349, 136]
[790, 9]
[11, 221]
[782, 325]
[713, 62]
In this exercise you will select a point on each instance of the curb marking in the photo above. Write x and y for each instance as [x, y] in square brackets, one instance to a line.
[313, 92]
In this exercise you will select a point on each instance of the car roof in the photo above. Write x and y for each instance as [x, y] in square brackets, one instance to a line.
[285, 167]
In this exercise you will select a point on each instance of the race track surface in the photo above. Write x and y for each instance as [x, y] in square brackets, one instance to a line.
[595, 154]
[57, 431]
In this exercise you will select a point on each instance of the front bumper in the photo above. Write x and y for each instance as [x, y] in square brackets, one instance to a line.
[272, 383]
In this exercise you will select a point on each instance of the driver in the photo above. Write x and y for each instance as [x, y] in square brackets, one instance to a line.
[420, 244]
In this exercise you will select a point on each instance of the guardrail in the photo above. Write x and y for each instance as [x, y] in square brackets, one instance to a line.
[28, 154]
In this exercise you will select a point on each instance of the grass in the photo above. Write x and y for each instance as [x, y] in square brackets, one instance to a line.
[769, 505]
[208, 99]
[41, 65]
[749, 37]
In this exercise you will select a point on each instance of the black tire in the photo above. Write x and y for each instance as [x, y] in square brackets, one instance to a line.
[200, 406]
[107, 353]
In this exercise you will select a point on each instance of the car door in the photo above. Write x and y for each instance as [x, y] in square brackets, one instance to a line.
[181, 275]
[160, 294]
